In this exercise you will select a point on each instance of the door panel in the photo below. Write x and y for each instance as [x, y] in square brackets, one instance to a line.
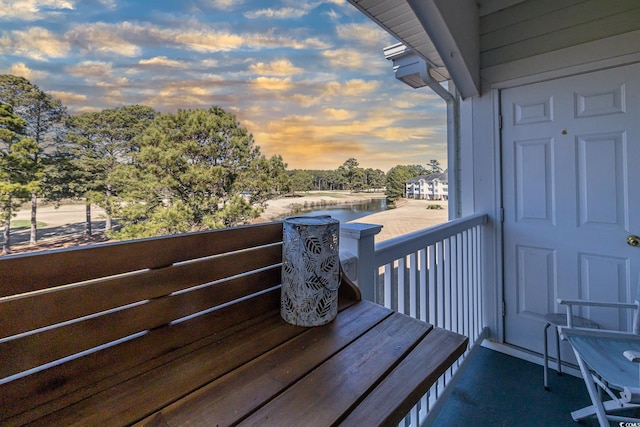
[571, 195]
[534, 181]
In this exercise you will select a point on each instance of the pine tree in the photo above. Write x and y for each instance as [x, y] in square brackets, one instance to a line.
[434, 166]
[43, 116]
[396, 182]
[18, 177]
[102, 144]
[191, 170]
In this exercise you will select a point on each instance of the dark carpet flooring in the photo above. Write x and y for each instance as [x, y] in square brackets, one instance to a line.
[500, 390]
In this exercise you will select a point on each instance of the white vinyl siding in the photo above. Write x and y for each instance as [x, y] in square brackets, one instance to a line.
[538, 27]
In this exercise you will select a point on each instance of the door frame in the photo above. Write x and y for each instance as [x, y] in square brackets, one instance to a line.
[497, 90]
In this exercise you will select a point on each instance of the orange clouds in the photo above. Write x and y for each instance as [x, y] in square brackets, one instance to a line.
[91, 69]
[69, 98]
[161, 61]
[283, 13]
[355, 87]
[316, 90]
[367, 34]
[282, 67]
[36, 43]
[339, 114]
[33, 10]
[20, 69]
[103, 38]
[314, 142]
[183, 93]
[272, 83]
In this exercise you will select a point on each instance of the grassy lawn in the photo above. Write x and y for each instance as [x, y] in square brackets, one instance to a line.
[19, 224]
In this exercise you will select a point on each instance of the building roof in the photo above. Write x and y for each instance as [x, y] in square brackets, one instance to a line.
[442, 177]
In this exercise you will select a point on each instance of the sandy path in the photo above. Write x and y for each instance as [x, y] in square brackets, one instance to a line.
[411, 216]
[65, 214]
[64, 227]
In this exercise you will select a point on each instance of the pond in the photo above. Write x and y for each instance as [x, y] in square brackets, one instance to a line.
[347, 212]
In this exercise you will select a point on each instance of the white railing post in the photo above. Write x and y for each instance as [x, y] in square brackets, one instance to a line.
[444, 266]
[358, 240]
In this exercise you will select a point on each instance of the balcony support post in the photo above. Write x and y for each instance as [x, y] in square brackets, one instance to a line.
[357, 241]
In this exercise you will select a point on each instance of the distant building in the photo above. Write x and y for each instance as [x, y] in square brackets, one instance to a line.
[434, 186]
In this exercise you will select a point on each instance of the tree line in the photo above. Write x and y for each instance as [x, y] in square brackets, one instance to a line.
[348, 176]
[156, 173]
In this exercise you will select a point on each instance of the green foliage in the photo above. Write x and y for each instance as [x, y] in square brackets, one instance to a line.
[327, 179]
[436, 207]
[161, 221]
[99, 144]
[417, 170]
[375, 178]
[300, 180]
[43, 116]
[63, 178]
[398, 175]
[353, 175]
[239, 211]
[189, 172]
[395, 181]
[263, 179]
[18, 174]
[434, 166]
[158, 174]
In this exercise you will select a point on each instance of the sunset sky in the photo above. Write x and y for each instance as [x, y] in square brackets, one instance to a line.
[307, 78]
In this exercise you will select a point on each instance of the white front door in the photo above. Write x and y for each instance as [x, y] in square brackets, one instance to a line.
[571, 196]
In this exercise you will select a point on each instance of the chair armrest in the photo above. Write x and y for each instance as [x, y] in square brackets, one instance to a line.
[582, 302]
[607, 334]
[633, 356]
[569, 303]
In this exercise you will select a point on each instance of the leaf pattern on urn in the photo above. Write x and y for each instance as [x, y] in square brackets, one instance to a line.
[310, 270]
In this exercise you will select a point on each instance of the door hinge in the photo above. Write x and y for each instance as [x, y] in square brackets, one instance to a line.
[500, 122]
[504, 309]
[501, 214]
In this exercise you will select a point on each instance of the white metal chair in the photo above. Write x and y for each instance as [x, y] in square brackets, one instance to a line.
[608, 361]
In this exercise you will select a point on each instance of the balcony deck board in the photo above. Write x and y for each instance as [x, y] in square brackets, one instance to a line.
[158, 387]
[337, 385]
[255, 383]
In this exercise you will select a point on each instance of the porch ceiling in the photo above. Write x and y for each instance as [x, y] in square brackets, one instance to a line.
[397, 18]
[406, 23]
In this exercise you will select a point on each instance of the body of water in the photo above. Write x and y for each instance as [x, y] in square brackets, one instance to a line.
[347, 212]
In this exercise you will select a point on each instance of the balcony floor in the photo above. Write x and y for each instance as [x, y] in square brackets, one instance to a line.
[501, 390]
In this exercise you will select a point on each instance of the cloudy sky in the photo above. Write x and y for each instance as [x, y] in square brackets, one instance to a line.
[307, 78]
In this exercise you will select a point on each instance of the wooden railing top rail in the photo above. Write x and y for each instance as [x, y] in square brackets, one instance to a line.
[32, 272]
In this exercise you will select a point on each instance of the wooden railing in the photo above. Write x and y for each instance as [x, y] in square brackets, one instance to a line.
[187, 329]
[434, 275]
